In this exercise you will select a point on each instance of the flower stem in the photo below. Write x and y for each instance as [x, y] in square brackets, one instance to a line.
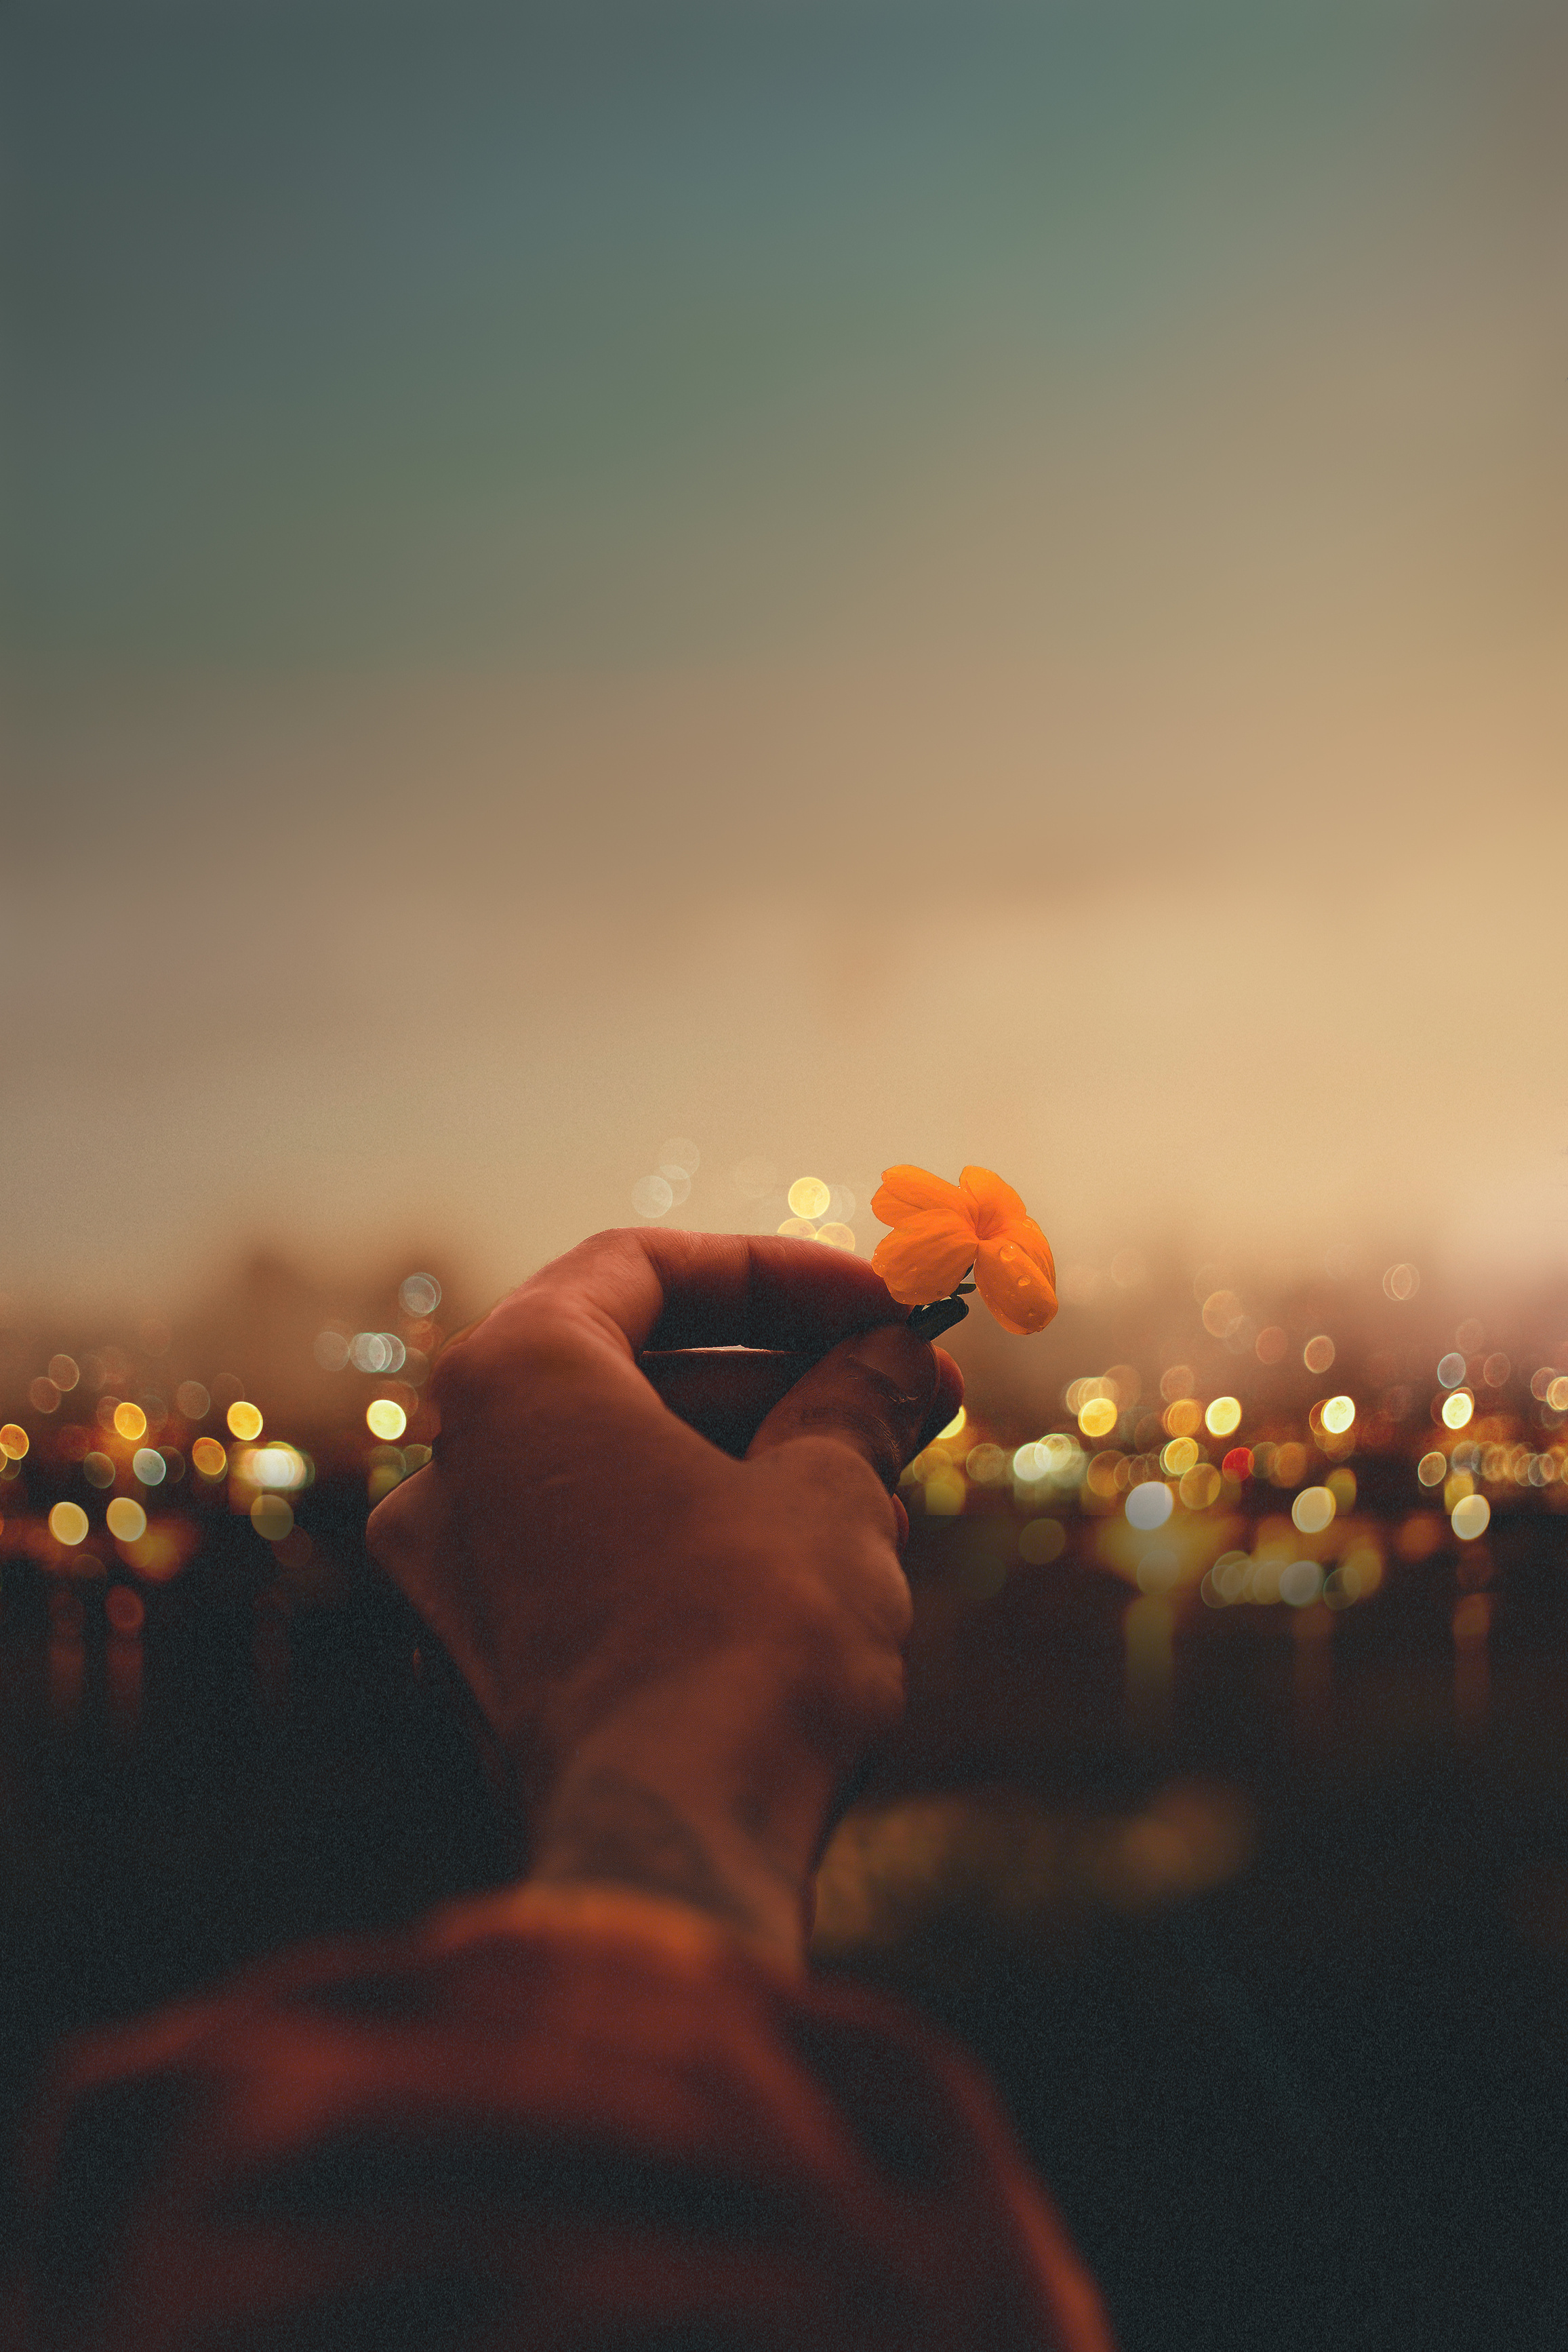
[929, 1322]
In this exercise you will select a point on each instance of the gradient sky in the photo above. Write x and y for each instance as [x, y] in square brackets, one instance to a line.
[854, 583]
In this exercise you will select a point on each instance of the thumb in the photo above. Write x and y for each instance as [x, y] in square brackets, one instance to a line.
[883, 1393]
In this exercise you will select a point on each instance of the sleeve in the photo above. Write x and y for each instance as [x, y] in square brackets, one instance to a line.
[591, 2124]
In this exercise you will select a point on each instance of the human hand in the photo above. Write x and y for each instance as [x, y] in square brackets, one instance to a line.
[681, 1652]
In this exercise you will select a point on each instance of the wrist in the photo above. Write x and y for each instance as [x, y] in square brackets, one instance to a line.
[703, 1792]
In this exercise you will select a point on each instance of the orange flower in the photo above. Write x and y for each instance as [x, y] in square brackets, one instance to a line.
[940, 1230]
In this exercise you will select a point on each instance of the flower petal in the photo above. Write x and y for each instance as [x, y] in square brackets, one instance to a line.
[925, 1256]
[1015, 1276]
[905, 1192]
[996, 1204]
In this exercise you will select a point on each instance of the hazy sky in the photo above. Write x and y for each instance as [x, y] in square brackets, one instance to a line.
[850, 582]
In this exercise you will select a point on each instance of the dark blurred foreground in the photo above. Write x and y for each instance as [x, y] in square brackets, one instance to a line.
[1268, 1951]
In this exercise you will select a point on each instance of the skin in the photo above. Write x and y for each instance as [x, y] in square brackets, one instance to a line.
[671, 1577]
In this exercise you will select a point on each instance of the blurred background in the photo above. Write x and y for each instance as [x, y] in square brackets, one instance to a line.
[633, 612]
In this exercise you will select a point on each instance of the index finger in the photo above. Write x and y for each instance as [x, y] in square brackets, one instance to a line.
[642, 1287]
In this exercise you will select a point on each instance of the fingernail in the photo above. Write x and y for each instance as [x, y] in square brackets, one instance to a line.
[894, 1351]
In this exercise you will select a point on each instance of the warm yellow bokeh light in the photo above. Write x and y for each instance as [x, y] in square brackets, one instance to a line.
[1319, 1352]
[837, 1237]
[209, 1457]
[809, 1196]
[68, 1523]
[945, 1492]
[959, 1423]
[13, 1441]
[271, 1516]
[1557, 1394]
[386, 1418]
[1470, 1518]
[1200, 1486]
[1097, 1418]
[1177, 1458]
[1338, 1414]
[127, 1520]
[798, 1229]
[244, 1420]
[130, 1421]
[1432, 1468]
[1223, 1416]
[1457, 1408]
[1184, 1418]
[1312, 1510]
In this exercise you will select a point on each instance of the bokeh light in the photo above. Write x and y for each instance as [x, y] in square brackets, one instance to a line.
[837, 1235]
[808, 1197]
[1470, 1518]
[945, 1493]
[1319, 1352]
[1223, 1416]
[271, 1516]
[1097, 1417]
[64, 1372]
[69, 1524]
[1451, 1371]
[1432, 1468]
[43, 1395]
[1040, 1541]
[126, 1519]
[1200, 1486]
[149, 1465]
[419, 1295]
[798, 1229]
[385, 1418]
[1271, 1344]
[279, 1467]
[1337, 1414]
[1300, 1582]
[130, 1421]
[193, 1400]
[377, 1351]
[1150, 1505]
[651, 1196]
[1312, 1510]
[1177, 1457]
[1458, 1409]
[1401, 1282]
[209, 1457]
[13, 1441]
[245, 1420]
[97, 1469]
